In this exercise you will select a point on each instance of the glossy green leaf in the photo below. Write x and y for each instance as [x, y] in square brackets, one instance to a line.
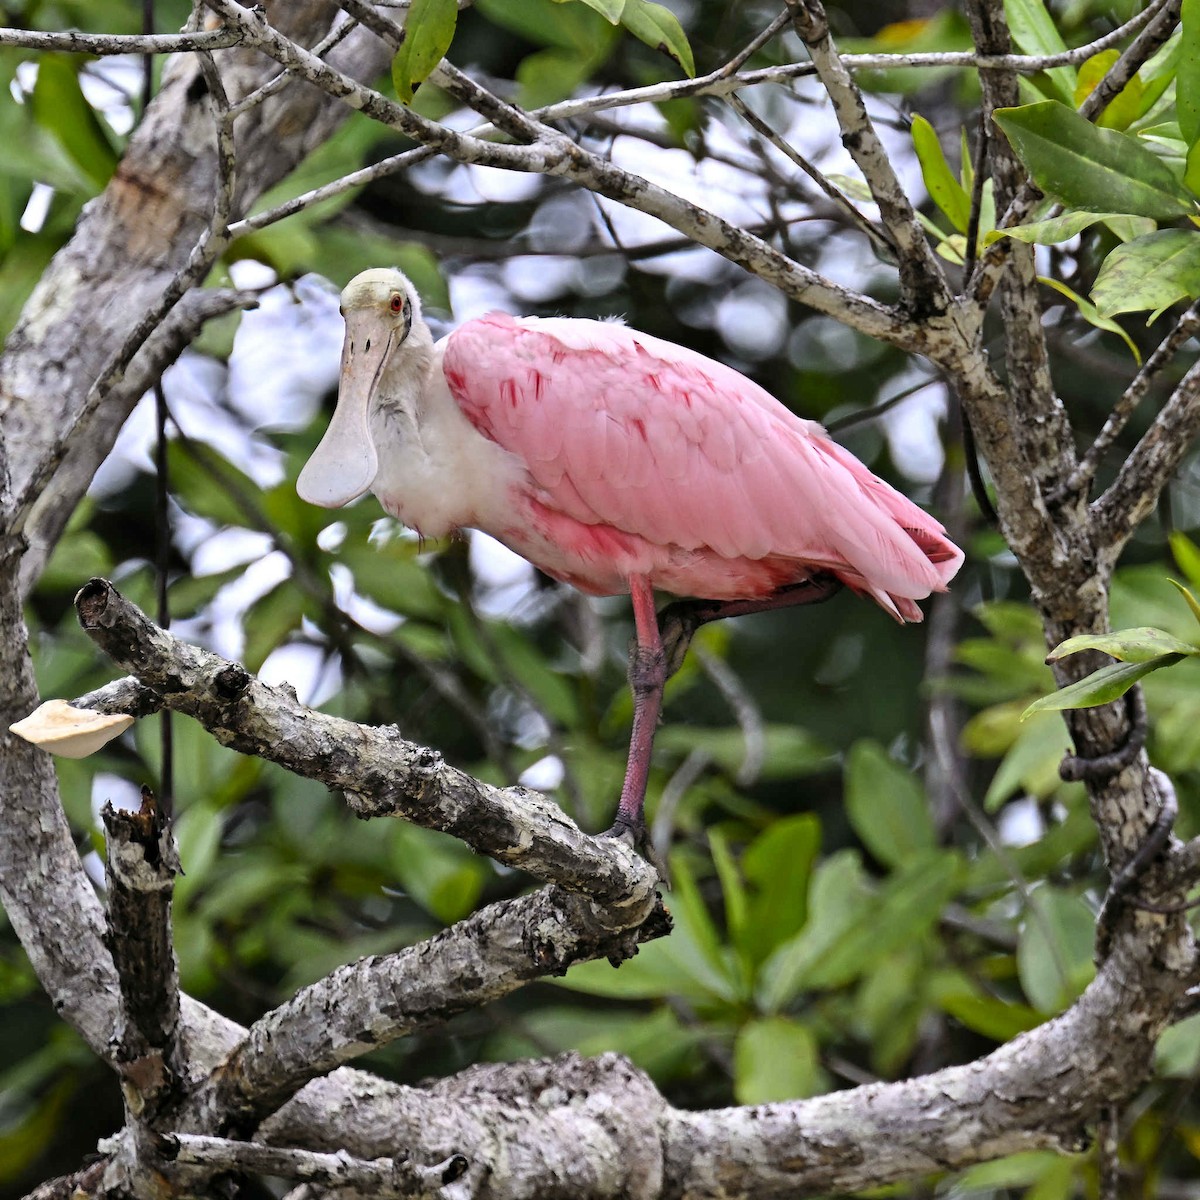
[1125, 107]
[60, 107]
[944, 189]
[1034, 31]
[428, 32]
[659, 27]
[789, 751]
[269, 623]
[1101, 687]
[610, 10]
[1099, 170]
[776, 1058]
[1192, 602]
[1091, 314]
[1151, 272]
[886, 805]
[1054, 229]
[1126, 645]
[1054, 951]
[1187, 77]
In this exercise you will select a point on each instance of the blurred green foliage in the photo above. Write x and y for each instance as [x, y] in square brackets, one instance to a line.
[843, 909]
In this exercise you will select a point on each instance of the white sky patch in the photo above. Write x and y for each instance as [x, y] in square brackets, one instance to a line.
[307, 668]
[544, 775]
[562, 224]
[371, 616]
[38, 207]
[505, 581]
[498, 186]
[330, 538]
[229, 548]
[228, 608]
[912, 431]
[115, 790]
[1020, 823]
[473, 293]
[286, 356]
[538, 279]
[108, 86]
[753, 320]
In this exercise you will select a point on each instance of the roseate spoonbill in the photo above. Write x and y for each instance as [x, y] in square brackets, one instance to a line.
[616, 462]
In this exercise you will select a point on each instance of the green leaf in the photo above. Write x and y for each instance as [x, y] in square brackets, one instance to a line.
[1101, 687]
[839, 896]
[906, 907]
[732, 890]
[1151, 272]
[886, 805]
[1034, 31]
[1187, 557]
[778, 866]
[1125, 107]
[1191, 169]
[1054, 951]
[59, 106]
[1187, 78]
[428, 33]
[1031, 764]
[1091, 314]
[610, 10]
[659, 27]
[944, 189]
[1127, 645]
[1192, 602]
[1099, 170]
[776, 1058]
[959, 997]
[1054, 229]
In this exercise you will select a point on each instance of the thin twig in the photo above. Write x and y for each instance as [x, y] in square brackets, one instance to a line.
[74, 42]
[1187, 326]
[841, 201]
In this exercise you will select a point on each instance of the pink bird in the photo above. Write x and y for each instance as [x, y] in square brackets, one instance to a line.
[616, 462]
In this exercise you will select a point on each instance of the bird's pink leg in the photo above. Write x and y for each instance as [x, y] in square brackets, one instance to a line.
[647, 674]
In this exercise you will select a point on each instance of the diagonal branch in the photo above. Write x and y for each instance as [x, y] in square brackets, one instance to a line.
[367, 1004]
[381, 773]
[1133, 494]
[1152, 368]
[923, 286]
[559, 156]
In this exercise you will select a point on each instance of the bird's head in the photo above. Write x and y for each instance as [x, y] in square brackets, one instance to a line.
[382, 314]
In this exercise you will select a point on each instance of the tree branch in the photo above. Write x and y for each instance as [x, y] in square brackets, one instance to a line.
[560, 156]
[381, 773]
[387, 1178]
[1186, 328]
[923, 287]
[141, 864]
[372, 1002]
[1133, 494]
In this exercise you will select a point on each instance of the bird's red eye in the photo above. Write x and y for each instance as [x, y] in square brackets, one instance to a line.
[397, 304]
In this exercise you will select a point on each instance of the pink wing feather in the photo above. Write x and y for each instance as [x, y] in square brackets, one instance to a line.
[622, 429]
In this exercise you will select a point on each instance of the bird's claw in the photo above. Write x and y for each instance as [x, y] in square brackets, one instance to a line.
[634, 832]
